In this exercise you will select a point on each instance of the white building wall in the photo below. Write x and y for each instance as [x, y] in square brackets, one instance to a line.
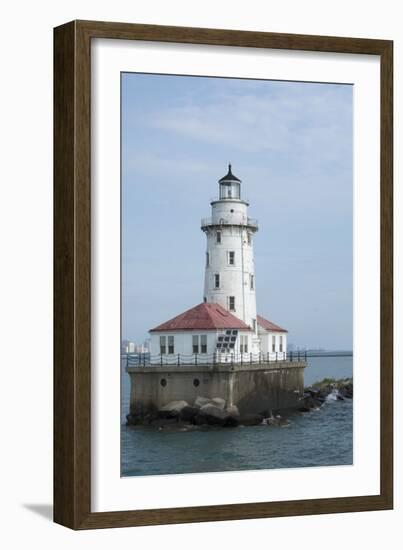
[183, 346]
[266, 343]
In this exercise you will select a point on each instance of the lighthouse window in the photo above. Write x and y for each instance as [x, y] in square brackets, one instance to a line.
[163, 345]
[195, 344]
[281, 343]
[252, 282]
[218, 237]
[249, 238]
[203, 343]
[171, 347]
[217, 280]
[231, 303]
[244, 344]
[231, 257]
[273, 343]
[207, 259]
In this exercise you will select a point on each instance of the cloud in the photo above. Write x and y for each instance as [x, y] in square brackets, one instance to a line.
[254, 123]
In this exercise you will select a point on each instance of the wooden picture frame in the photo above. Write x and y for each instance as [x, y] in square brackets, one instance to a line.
[72, 272]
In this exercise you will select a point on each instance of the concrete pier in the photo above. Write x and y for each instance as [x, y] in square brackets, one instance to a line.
[253, 388]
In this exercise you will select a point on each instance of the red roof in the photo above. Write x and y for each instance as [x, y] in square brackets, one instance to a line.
[268, 325]
[203, 317]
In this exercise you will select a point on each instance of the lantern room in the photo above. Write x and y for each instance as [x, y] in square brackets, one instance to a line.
[230, 186]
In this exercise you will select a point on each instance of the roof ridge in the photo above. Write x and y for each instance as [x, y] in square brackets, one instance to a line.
[269, 325]
[203, 316]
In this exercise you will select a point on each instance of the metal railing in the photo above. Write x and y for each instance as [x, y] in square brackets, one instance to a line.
[217, 358]
[247, 222]
[217, 198]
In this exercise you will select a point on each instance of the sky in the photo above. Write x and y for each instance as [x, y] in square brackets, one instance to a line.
[291, 145]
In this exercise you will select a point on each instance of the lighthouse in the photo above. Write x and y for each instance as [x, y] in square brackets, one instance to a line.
[225, 326]
[230, 268]
[220, 347]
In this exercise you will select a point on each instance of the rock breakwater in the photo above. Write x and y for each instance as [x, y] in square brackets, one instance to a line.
[215, 412]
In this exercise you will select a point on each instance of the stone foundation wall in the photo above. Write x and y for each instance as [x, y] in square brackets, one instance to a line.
[252, 388]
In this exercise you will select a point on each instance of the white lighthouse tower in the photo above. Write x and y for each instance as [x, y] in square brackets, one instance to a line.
[230, 270]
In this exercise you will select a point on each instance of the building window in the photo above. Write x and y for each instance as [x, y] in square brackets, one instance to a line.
[281, 343]
[273, 343]
[196, 382]
[195, 341]
[231, 257]
[163, 345]
[252, 282]
[203, 343]
[163, 382]
[244, 344]
[217, 280]
[218, 237]
[254, 324]
[207, 259]
[171, 347]
[231, 303]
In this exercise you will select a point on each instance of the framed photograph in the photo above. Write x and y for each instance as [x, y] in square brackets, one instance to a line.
[223, 262]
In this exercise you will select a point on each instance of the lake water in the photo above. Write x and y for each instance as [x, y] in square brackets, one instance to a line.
[319, 438]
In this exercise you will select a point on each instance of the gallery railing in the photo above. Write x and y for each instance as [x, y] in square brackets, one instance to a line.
[180, 359]
[247, 222]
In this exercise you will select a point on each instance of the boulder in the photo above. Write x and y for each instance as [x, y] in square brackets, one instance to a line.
[346, 391]
[200, 401]
[141, 419]
[233, 410]
[132, 420]
[189, 413]
[164, 422]
[200, 420]
[232, 422]
[172, 409]
[277, 421]
[308, 402]
[213, 414]
[233, 416]
[313, 392]
[218, 402]
[250, 419]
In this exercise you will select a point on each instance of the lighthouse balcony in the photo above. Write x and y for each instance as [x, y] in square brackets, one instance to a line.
[248, 223]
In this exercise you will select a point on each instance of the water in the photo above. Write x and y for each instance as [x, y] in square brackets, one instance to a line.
[319, 438]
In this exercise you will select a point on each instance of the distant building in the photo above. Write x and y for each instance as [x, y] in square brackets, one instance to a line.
[128, 346]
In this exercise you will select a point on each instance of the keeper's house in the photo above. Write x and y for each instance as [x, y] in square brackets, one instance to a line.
[209, 333]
